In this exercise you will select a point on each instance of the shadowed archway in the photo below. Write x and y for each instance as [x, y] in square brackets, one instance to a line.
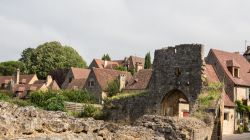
[175, 103]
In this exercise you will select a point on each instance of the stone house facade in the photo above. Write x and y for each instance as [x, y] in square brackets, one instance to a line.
[75, 78]
[233, 70]
[98, 80]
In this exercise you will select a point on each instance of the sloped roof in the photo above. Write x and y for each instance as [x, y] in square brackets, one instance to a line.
[140, 80]
[40, 82]
[54, 85]
[227, 101]
[110, 64]
[79, 83]
[106, 76]
[136, 59]
[247, 52]
[25, 87]
[80, 73]
[211, 74]
[223, 57]
[232, 63]
[26, 78]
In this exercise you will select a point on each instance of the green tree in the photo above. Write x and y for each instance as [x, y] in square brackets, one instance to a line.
[10, 67]
[121, 68]
[27, 58]
[106, 57]
[50, 56]
[148, 63]
[113, 88]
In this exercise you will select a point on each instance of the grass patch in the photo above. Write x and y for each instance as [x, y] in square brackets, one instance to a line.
[126, 95]
[207, 100]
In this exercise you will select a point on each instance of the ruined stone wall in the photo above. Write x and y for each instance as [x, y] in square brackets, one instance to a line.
[189, 60]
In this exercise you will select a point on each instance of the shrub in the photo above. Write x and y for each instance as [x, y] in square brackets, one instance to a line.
[55, 103]
[79, 96]
[5, 97]
[39, 98]
[240, 129]
[92, 111]
[113, 88]
[21, 102]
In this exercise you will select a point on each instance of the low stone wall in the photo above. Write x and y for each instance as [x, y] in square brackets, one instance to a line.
[126, 110]
[78, 107]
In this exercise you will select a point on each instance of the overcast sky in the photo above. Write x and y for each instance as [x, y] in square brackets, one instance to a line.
[122, 27]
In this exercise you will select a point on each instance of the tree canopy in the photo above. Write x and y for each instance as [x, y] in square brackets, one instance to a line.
[148, 64]
[10, 67]
[50, 56]
[106, 57]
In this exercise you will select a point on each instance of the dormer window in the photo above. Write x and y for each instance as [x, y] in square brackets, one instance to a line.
[234, 68]
[91, 83]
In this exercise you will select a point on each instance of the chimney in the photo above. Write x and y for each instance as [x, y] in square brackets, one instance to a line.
[49, 80]
[17, 76]
[122, 81]
[105, 63]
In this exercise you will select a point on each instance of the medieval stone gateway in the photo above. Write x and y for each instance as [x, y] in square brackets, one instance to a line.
[175, 103]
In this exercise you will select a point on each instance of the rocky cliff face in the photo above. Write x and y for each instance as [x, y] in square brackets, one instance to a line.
[30, 123]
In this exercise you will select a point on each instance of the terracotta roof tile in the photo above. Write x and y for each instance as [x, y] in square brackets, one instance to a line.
[211, 74]
[110, 64]
[136, 59]
[79, 83]
[105, 76]
[140, 80]
[80, 73]
[244, 65]
[26, 78]
[227, 101]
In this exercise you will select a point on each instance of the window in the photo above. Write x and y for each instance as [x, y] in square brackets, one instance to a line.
[91, 83]
[236, 72]
[177, 71]
[70, 79]
[226, 116]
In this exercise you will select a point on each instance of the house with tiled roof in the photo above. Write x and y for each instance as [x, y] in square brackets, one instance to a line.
[99, 79]
[233, 70]
[22, 85]
[132, 63]
[75, 78]
[140, 81]
[105, 64]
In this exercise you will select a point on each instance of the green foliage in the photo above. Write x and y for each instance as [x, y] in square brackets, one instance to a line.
[92, 111]
[50, 56]
[113, 88]
[126, 95]
[10, 67]
[208, 99]
[21, 102]
[39, 98]
[55, 103]
[5, 96]
[240, 129]
[132, 71]
[106, 57]
[148, 64]
[240, 107]
[79, 96]
[121, 68]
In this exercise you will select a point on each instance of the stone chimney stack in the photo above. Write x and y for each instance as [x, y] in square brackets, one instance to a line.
[17, 76]
[49, 80]
[105, 63]
[122, 81]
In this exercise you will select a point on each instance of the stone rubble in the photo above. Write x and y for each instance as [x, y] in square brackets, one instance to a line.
[30, 123]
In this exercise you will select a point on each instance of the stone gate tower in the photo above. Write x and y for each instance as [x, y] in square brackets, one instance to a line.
[177, 79]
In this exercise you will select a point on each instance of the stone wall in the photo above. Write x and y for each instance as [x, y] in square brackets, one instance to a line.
[177, 68]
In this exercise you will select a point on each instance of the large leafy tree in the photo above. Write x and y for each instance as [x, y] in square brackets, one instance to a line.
[50, 56]
[106, 57]
[148, 63]
[10, 67]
